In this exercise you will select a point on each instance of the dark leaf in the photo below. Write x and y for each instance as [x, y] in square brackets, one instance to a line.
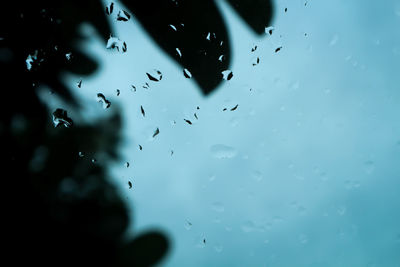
[256, 13]
[145, 250]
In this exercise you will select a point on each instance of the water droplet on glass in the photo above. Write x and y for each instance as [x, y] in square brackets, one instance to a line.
[156, 132]
[172, 27]
[68, 56]
[218, 248]
[124, 16]
[212, 178]
[179, 52]
[369, 166]
[227, 75]
[218, 206]
[341, 210]
[248, 226]
[220, 151]
[221, 58]
[187, 73]
[81, 155]
[334, 40]
[154, 75]
[269, 30]
[60, 117]
[188, 225]
[303, 239]
[116, 43]
[30, 60]
[102, 99]
[127, 164]
[200, 242]
[257, 175]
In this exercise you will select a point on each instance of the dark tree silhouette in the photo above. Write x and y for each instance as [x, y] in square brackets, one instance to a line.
[60, 209]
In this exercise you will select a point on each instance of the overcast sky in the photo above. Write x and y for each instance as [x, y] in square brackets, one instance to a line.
[304, 172]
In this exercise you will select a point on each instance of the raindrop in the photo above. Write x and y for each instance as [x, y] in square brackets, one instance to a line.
[303, 239]
[124, 17]
[94, 160]
[142, 110]
[102, 99]
[212, 178]
[218, 206]
[218, 248]
[130, 184]
[156, 132]
[124, 47]
[30, 59]
[81, 155]
[188, 121]
[278, 49]
[269, 30]
[154, 75]
[60, 117]
[235, 107]
[68, 56]
[256, 61]
[187, 73]
[179, 52]
[257, 175]
[188, 225]
[341, 210]
[221, 58]
[220, 151]
[334, 40]
[79, 84]
[369, 166]
[248, 226]
[115, 43]
[227, 75]
[126, 164]
[110, 9]
[172, 27]
[118, 92]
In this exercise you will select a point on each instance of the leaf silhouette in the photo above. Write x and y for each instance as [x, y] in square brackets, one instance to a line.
[198, 31]
[61, 209]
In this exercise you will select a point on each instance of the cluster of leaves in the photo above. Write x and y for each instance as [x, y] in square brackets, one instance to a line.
[61, 210]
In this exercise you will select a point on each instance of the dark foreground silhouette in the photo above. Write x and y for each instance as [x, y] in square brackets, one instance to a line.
[59, 206]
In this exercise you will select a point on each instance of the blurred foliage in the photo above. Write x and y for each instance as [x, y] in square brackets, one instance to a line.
[60, 208]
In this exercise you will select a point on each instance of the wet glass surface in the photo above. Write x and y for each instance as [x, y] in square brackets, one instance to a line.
[231, 145]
